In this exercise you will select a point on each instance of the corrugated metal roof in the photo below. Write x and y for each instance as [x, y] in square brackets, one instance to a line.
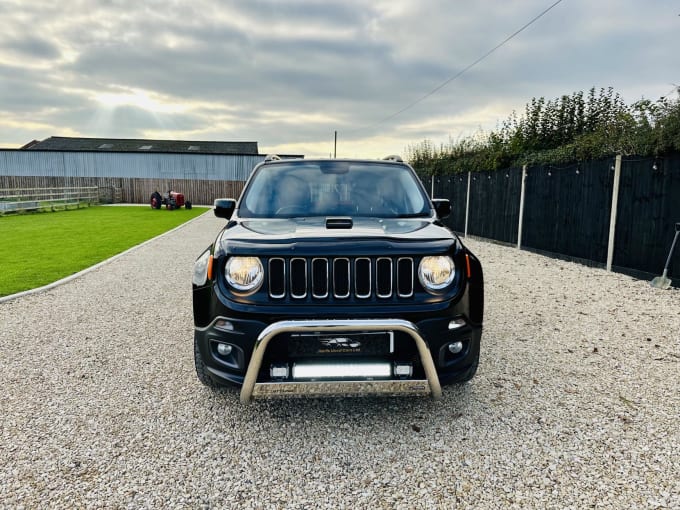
[61, 143]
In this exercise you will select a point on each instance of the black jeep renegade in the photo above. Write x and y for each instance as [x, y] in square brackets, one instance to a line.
[336, 277]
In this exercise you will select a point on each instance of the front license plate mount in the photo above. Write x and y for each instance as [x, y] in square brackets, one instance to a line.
[370, 343]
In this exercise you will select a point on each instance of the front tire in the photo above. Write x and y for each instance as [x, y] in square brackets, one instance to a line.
[468, 373]
[156, 200]
[202, 371]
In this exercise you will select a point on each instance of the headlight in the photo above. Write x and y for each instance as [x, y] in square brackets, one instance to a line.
[436, 273]
[244, 274]
[201, 269]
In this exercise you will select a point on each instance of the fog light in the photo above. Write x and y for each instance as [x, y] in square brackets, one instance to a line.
[455, 347]
[403, 370]
[457, 323]
[278, 371]
[224, 349]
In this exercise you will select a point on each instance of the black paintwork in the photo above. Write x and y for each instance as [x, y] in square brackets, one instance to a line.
[310, 237]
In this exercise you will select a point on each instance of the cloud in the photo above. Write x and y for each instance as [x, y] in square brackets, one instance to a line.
[287, 74]
[32, 47]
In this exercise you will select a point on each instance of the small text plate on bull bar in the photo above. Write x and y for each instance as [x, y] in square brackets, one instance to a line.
[369, 343]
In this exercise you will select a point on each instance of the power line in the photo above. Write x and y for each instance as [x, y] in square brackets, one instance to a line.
[676, 88]
[463, 71]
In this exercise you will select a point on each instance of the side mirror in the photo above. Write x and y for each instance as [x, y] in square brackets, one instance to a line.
[224, 207]
[442, 206]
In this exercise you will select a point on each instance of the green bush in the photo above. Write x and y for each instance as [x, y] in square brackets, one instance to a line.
[574, 127]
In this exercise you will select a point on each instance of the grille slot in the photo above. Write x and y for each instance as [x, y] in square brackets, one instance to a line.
[362, 277]
[298, 278]
[320, 278]
[383, 277]
[277, 278]
[341, 277]
[405, 277]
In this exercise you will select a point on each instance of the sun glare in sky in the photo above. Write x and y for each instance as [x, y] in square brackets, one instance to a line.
[137, 98]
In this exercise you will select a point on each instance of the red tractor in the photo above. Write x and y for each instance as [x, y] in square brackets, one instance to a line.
[171, 200]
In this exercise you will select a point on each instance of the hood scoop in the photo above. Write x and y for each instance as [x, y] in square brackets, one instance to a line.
[339, 222]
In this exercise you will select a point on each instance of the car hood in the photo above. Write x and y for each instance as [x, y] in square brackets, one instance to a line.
[315, 228]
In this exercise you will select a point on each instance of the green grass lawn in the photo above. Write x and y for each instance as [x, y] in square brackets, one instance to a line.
[37, 249]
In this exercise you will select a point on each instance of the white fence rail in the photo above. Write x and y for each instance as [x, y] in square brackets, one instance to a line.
[33, 199]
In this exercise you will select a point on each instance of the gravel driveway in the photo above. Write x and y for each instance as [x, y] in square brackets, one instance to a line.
[576, 403]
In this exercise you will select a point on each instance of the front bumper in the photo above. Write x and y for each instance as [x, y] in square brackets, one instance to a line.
[255, 346]
[251, 386]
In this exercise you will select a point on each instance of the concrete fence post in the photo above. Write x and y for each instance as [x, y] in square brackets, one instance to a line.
[467, 204]
[612, 217]
[521, 208]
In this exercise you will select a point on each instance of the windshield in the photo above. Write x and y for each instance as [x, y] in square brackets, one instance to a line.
[333, 188]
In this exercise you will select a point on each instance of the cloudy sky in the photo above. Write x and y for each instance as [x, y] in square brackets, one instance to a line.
[287, 74]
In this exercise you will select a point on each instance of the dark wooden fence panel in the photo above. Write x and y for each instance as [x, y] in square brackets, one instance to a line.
[494, 204]
[453, 187]
[566, 210]
[648, 208]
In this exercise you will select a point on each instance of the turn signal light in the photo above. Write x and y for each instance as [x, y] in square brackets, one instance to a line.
[457, 323]
[223, 325]
[210, 268]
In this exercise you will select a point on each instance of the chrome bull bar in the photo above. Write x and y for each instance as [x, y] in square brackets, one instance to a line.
[252, 388]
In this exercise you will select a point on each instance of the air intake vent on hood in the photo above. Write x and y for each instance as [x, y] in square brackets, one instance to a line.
[341, 222]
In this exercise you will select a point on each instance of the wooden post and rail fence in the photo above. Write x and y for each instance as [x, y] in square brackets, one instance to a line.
[34, 199]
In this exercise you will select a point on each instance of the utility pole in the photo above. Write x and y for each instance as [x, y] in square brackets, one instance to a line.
[335, 146]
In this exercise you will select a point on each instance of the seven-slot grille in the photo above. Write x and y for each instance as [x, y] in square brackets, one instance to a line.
[341, 277]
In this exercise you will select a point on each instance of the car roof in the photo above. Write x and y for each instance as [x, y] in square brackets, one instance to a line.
[303, 161]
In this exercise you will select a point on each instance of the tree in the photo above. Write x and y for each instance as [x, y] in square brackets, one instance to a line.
[572, 127]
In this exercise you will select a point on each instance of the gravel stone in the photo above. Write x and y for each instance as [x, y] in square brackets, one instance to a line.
[576, 402]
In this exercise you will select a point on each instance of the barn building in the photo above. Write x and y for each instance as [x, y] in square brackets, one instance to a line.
[129, 170]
